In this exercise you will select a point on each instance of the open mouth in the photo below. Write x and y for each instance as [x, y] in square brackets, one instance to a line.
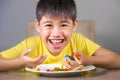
[56, 43]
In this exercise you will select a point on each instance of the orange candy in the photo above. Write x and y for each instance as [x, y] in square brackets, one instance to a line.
[77, 57]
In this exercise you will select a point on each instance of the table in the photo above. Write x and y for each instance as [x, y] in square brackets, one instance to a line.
[97, 74]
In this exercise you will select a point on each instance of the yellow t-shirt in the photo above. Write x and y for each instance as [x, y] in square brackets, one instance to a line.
[77, 42]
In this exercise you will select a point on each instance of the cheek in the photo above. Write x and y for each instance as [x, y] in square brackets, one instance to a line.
[68, 34]
[68, 31]
[43, 31]
[44, 34]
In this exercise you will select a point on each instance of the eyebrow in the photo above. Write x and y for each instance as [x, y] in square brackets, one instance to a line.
[65, 21]
[46, 22]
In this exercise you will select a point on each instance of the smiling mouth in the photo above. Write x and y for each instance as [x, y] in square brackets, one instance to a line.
[56, 43]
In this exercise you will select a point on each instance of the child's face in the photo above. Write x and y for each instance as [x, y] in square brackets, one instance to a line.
[56, 32]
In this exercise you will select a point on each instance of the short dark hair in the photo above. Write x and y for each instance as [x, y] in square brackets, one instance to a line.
[56, 8]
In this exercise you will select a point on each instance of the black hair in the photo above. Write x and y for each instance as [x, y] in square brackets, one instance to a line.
[56, 8]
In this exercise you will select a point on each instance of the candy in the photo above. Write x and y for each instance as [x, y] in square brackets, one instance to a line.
[77, 57]
[68, 56]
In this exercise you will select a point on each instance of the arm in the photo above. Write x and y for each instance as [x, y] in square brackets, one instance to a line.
[104, 58]
[10, 64]
[17, 63]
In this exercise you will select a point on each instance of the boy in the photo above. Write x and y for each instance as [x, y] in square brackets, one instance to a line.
[56, 23]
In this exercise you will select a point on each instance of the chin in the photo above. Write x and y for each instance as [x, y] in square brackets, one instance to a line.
[56, 52]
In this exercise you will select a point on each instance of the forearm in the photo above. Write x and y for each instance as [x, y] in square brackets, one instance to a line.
[105, 61]
[10, 64]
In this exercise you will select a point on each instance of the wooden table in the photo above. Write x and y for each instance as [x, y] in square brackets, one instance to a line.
[97, 74]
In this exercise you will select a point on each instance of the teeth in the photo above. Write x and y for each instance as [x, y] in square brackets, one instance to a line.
[56, 41]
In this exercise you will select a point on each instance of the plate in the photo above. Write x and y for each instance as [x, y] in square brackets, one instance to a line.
[44, 67]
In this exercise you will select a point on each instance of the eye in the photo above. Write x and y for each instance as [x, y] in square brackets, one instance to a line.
[64, 25]
[48, 25]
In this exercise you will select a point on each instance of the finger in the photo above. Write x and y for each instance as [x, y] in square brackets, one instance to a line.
[78, 52]
[73, 63]
[36, 61]
[42, 58]
[66, 63]
[26, 52]
[78, 56]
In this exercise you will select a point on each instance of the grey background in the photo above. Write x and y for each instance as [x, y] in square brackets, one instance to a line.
[14, 15]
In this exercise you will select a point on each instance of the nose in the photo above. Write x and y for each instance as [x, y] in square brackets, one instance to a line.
[56, 32]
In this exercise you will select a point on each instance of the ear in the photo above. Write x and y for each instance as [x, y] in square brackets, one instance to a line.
[75, 25]
[37, 25]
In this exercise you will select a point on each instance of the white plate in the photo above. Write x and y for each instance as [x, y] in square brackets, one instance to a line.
[44, 67]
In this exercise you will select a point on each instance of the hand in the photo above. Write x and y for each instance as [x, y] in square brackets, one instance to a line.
[31, 61]
[67, 62]
[74, 63]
